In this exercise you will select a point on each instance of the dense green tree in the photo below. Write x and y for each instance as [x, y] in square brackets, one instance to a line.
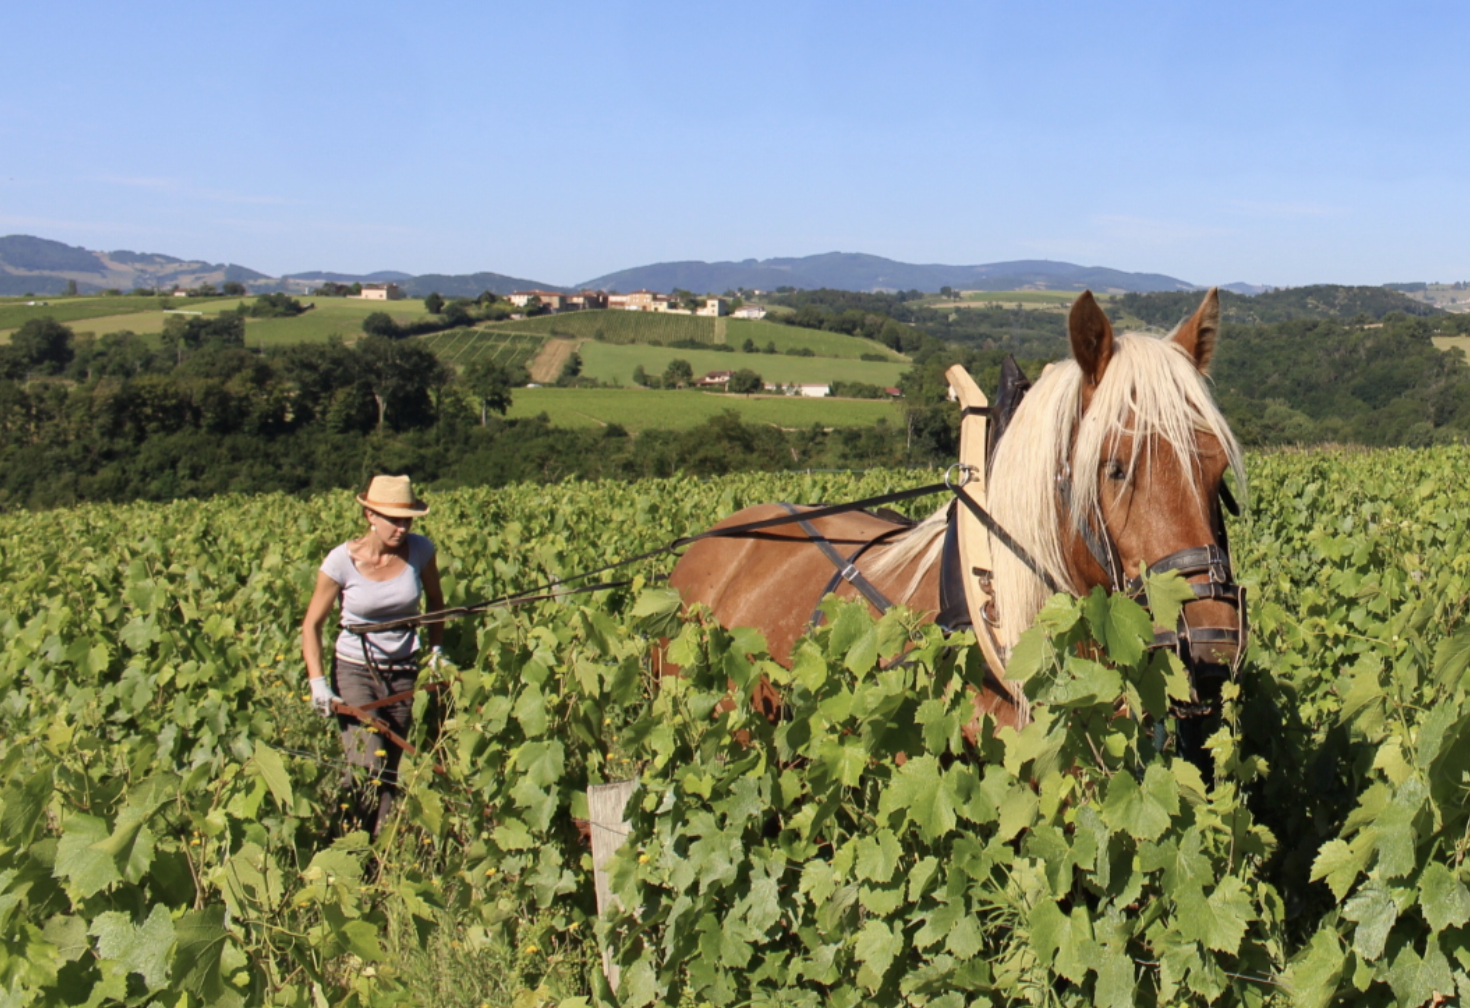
[678, 373]
[233, 288]
[744, 382]
[457, 314]
[42, 345]
[434, 303]
[190, 332]
[381, 324]
[748, 346]
[402, 375]
[491, 384]
[277, 305]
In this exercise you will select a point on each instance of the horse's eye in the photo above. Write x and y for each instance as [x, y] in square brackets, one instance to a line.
[1114, 470]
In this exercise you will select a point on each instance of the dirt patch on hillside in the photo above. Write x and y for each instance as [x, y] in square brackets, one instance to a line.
[546, 368]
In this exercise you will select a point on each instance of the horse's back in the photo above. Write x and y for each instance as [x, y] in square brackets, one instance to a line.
[773, 578]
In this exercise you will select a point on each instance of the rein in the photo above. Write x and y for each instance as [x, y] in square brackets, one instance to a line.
[557, 589]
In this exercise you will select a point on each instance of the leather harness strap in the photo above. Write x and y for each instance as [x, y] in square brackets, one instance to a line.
[846, 566]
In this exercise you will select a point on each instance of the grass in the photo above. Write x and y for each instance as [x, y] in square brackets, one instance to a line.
[618, 326]
[102, 315]
[625, 328]
[1030, 300]
[615, 364]
[86, 314]
[639, 409]
[1462, 343]
[331, 317]
[823, 344]
[462, 347]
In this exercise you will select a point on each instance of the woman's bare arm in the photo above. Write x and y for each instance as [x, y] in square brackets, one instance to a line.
[433, 598]
[322, 599]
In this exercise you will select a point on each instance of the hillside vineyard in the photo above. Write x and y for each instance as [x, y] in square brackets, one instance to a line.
[169, 799]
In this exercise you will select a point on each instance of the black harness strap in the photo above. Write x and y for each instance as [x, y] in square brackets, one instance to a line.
[846, 566]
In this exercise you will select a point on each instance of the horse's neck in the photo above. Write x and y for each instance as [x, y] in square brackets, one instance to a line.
[914, 585]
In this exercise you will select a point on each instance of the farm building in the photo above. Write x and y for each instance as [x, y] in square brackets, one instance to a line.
[749, 312]
[716, 379]
[381, 292]
[554, 300]
[640, 300]
[811, 391]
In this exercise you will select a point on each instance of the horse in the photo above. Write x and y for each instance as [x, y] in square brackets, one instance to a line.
[1113, 463]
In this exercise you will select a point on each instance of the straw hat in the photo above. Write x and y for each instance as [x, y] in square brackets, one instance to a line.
[393, 496]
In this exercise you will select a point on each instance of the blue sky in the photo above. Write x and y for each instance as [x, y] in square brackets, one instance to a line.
[1280, 143]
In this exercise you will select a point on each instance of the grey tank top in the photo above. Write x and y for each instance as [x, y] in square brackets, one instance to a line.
[367, 601]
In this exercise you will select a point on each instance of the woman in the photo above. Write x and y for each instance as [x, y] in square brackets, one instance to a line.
[378, 577]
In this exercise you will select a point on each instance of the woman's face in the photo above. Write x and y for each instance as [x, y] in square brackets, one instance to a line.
[389, 531]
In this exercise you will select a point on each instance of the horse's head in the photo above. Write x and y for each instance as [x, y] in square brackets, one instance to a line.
[1113, 466]
[1147, 468]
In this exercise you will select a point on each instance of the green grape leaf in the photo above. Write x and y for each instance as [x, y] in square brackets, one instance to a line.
[1168, 593]
[1315, 977]
[1416, 980]
[1375, 912]
[877, 856]
[1339, 863]
[876, 947]
[197, 965]
[144, 950]
[79, 859]
[1218, 922]
[1452, 658]
[1142, 812]
[272, 769]
[1443, 898]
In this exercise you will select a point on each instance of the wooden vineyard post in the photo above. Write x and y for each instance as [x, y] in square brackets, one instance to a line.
[974, 537]
[605, 803]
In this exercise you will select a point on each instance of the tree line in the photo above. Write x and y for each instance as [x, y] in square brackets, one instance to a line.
[124, 417]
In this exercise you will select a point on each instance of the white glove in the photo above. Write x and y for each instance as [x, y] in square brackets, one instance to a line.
[322, 696]
[436, 658]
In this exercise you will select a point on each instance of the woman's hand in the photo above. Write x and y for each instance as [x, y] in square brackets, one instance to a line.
[322, 696]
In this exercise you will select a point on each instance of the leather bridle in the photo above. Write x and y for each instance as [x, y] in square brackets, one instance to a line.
[1212, 559]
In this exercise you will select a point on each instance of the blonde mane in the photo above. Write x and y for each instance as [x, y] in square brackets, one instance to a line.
[923, 541]
[1152, 392]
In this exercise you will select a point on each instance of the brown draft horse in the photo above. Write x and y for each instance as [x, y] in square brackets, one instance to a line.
[1121, 445]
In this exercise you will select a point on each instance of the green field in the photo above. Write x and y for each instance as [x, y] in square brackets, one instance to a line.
[823, 344]
[102, 315]
[85, 314]
[637, 409]
[462, 347]
[331, 317]
[615, 364]
[625, 328]
[1462, 343]
[619, 326]
[1043, 300]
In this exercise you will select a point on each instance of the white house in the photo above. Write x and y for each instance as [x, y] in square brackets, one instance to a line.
[811, 391]
[381, 292]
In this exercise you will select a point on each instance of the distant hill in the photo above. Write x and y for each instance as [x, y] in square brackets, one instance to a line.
[31, 265]
[321, 276]
[1321, 301]
[857, 272]
[1249, 290]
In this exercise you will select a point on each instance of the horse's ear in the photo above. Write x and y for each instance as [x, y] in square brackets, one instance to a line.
[1092, 336]
[1198, 333]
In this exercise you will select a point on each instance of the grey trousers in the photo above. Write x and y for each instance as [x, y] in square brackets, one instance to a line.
[371, 782]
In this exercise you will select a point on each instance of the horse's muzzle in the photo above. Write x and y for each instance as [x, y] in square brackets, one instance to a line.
[1208, 651]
